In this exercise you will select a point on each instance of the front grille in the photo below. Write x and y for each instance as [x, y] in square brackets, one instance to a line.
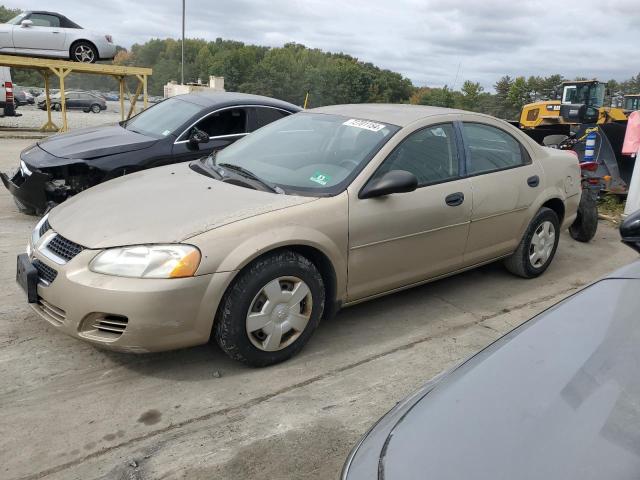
[64, 248]
[52, 313]
[45, 272]
[44, 228]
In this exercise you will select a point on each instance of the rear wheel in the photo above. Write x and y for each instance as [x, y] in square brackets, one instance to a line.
[584, 228]
[84, 52]
[95, 108]
[537, 247]
[271, 310]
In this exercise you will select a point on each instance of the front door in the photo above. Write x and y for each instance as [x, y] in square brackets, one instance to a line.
[224, 127]
[401, 239]
[44, 34]
[505, 183]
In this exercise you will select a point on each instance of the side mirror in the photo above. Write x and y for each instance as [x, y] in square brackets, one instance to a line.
[395, 181]
[630, 231]
[26, 23]
[198, 136]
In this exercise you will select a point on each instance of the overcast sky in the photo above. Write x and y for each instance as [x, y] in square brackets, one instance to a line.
[433, 42]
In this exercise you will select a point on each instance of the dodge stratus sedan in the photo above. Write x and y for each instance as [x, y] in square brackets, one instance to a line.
[321, 209]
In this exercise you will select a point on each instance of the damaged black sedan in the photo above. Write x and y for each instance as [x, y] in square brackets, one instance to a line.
[179, 129]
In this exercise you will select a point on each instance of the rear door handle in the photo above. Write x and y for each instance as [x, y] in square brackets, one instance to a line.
[454, 199]
[533, 181]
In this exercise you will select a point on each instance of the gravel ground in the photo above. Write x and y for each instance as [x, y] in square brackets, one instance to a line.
[33, 118]
[72, 411]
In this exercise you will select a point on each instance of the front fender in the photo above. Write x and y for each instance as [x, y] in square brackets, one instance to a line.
[321, 225]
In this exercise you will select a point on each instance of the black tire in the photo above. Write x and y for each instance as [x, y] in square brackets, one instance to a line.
[584, 228]
[95, 108]
[83, 52]
[519, 263]
[230, 331]
[23, 208]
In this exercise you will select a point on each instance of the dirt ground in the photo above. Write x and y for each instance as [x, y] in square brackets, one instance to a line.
[71, 411]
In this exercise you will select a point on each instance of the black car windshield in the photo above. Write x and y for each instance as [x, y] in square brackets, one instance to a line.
[163, 118]
[308, 153]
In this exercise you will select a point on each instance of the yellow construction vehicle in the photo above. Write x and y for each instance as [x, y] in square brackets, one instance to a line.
[582, 101]
[580, 113]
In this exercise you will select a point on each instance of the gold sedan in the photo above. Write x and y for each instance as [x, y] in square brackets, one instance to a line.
[322, 209]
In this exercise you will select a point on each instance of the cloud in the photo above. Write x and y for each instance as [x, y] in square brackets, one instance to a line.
[433, 42]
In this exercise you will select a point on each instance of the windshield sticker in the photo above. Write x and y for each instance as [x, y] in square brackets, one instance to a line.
[320, 178]
[166, 132]
[365, 124]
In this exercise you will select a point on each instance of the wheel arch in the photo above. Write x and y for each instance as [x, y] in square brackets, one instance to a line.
[79, 40]
[557, 205]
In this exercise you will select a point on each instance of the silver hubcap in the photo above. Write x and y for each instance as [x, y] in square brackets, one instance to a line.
[542, 243]
[279, 313]
[84, 53]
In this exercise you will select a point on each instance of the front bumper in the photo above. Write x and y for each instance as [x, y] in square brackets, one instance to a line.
[29, 190]
[128, 314]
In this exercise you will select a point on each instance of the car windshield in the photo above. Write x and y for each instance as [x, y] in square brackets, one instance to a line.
[17, 19]
[308, 153]
[164, 118]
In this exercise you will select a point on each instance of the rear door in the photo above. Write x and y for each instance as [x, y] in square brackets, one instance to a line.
[401, 239]
[505, 182]
[224, 127]
[45, 33]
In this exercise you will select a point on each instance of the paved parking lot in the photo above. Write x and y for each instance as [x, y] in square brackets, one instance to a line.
[71, 411]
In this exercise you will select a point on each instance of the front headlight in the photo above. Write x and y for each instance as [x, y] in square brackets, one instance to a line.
[24, 169]
[148, 261]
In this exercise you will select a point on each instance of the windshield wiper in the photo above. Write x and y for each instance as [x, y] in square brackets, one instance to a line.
[249, 174]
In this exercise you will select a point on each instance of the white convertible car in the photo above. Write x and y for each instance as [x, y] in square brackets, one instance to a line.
[48, 34]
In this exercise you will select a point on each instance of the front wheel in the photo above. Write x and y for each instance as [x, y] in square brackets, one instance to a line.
[271, 310]
[95, 108]
[537, 247]
[584, 228]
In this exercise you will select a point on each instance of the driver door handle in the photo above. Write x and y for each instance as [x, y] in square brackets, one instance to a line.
[454, 199]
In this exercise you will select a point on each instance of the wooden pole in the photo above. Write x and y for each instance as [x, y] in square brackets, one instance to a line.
[49, 126]
[121, 98]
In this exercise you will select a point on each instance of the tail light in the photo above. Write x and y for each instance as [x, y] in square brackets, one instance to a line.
[109, 38]
[589, 166]
[8, 86]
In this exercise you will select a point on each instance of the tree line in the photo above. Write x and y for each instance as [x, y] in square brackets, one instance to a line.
[290, 71]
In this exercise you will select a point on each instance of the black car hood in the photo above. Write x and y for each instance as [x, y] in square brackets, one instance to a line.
[95, 142]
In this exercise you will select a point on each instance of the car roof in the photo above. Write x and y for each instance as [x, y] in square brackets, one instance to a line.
[223, 99]
[397, 114]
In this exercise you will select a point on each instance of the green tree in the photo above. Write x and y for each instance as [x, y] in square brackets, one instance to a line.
[502, 87]
[471, 95]
[7, 14]
[519, 94]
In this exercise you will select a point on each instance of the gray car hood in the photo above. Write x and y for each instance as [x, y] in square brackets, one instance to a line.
[162, 205]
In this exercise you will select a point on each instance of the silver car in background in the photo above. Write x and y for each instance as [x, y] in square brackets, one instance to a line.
[49, 34]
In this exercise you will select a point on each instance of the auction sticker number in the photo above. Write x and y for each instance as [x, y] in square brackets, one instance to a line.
[365, 124]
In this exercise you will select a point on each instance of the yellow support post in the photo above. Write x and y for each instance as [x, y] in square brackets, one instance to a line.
[121, 97]
[62, 73]
[49, 126]
[134, 99]
[144, 89]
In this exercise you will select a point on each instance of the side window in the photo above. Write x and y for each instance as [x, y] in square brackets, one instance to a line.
[490, 149]
[265, 116]
[43, 20]
[430, 154]
[232, 121]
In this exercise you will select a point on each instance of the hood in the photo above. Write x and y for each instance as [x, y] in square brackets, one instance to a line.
[161, 205]
[88, 143]
[555, 398]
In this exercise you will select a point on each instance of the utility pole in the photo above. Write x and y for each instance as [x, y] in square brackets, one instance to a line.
[182, 63]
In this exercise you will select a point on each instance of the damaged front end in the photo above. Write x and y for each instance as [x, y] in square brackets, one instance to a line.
[37, 190]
